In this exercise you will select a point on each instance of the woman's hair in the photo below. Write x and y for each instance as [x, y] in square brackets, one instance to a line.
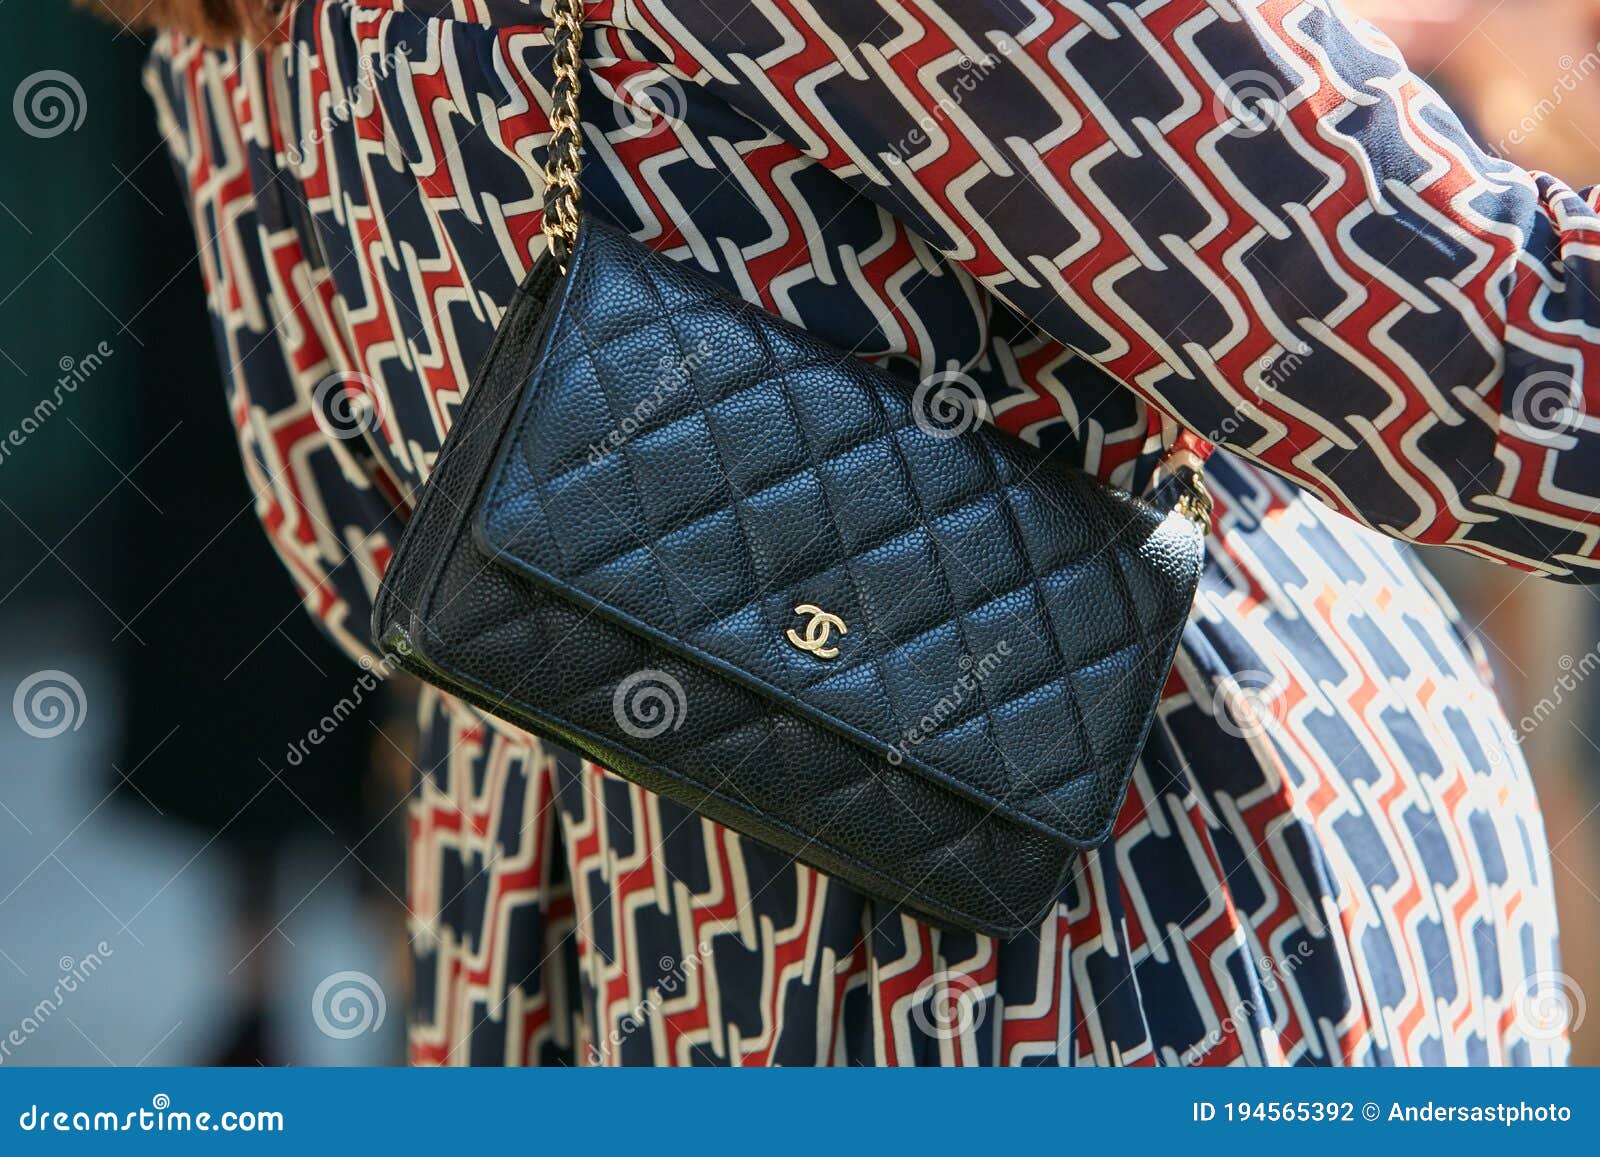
[214, 21]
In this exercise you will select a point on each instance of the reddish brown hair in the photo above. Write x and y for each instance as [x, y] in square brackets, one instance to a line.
[214, 21]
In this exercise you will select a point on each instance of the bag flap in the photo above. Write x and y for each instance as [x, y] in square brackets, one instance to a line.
[758, 501]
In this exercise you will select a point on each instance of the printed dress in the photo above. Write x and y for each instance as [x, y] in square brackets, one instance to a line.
[1241, 216]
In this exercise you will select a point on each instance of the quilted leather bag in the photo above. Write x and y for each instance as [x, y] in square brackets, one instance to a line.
[743, 569]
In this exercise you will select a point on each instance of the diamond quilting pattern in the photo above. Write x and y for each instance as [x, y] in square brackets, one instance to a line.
[699, 469]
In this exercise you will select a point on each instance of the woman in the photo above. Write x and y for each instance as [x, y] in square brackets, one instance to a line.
[1247, 219]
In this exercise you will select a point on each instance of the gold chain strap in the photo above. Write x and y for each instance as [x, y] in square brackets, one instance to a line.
[566, 133]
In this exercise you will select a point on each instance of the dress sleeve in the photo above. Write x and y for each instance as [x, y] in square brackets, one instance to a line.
[289, 380]
[1249, 212]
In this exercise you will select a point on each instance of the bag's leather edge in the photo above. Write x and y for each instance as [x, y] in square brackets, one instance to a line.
[1168, 657]
[556, 292]
[406, 637]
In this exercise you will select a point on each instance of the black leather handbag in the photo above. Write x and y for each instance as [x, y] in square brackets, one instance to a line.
[747, 571]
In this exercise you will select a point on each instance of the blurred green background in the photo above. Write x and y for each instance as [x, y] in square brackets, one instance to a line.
[168, 824]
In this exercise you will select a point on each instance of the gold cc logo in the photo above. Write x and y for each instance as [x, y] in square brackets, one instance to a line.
[818, 630]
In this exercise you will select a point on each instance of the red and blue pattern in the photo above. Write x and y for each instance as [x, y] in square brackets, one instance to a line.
[1243, 217]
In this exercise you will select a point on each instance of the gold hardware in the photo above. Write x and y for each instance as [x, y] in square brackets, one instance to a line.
[818, 631]
[1195, 501]
[566, 133]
